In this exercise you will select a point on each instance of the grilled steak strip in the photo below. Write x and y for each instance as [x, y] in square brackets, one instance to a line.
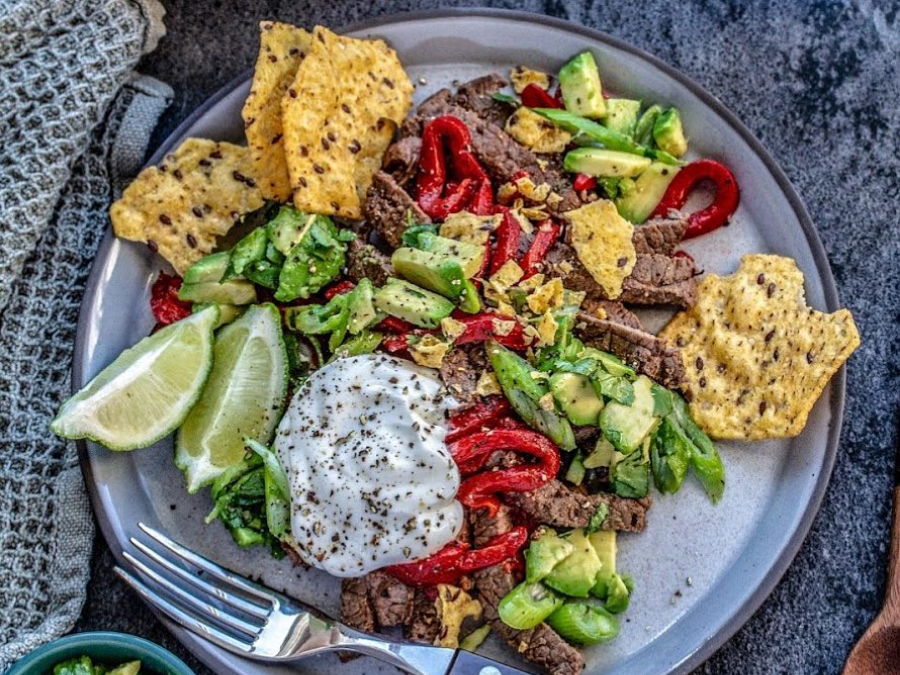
[460, 370]
[558, 505]
[366, 261]
[660, 235]
[478, 96]
[401, 160]
[540, 645]
[661, 280]
[423, 625]
[615, 311]
[392, 600]
[387, 206]
[642, 351]
[356, 611]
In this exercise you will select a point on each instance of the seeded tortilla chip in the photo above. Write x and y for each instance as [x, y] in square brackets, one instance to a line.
[339, 116]
[602, 241]
[180, 207]
[757, 358]
[282, 48]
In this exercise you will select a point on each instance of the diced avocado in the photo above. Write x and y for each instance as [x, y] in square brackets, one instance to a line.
[622, 115]
[576, 396]
[433, 271]
[527, 394]
[469, 301]
[250, 249]
[605, 163]
[603, 455]
[227, 313]
[361, 306]
[129, 668]
[543, 554]
[210, 268]
[618, 593]
[582, 92]
[637, 204]
[527, 605]
[631, 474]
[577, 573]
[626, 426]
[475, 639]
[263, 273]
[610, 363]
[617, 388]
[669, 133]
[286, 229]
[584, 622]
[233, 292]
[604, 543]
[411, 303]
[643, 130]
[575, 472]
[469, 256]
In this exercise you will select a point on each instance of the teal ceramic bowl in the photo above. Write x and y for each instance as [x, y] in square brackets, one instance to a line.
[107, 648]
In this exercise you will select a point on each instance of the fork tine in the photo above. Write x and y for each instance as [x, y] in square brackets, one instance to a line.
[227, 598]
[205, 609]
[181, 617]
[208, 566]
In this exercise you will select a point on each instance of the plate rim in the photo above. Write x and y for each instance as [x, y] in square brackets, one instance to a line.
[743, 612]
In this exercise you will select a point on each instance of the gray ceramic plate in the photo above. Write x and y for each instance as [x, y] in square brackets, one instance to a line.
[701, 570]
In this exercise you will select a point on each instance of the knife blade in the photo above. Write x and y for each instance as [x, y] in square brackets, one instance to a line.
[469, 663]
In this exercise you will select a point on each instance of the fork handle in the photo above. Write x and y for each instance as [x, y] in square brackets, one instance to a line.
[408, 657]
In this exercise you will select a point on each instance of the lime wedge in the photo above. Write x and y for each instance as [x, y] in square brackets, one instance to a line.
[147, 392]
[244, 396]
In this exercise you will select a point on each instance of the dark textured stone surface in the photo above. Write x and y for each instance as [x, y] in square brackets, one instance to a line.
[819, 83]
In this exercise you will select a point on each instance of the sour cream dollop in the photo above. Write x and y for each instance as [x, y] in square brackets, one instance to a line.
[372, 483]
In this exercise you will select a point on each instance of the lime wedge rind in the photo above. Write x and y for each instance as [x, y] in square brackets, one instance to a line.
[147, 392]
[244, 396]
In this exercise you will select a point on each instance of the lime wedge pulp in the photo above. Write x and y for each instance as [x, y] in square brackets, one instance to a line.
[244, 396]
[147, 392]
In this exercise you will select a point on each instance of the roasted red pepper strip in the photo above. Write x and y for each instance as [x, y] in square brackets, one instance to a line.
[392, 324]
[456, 559]
[450, 178]
[507, 246]
[479, 490]
[395, 344]
[544, 239]
[164, 302]
[339, 288]
[584, 182]
[716, 214]
[480, 328]
[535, 96]
[475, 418]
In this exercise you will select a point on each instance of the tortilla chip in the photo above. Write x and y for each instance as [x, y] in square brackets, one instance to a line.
[602, 241]
[757, 357]
[522, 76]
[537, 133]
[194, 196]
[282, 48]
[339, 116]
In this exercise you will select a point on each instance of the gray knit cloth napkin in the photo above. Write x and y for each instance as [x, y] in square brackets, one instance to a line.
[74, 125]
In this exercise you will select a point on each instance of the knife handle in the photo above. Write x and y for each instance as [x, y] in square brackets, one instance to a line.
[468, 663]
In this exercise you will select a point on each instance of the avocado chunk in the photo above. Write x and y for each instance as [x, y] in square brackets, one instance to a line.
[626, 426]
[601, 162]
[577, 573]
[249, 250]
[210, 268]
[233, 292]
[637, 204]
[411, 303]
[610, 363]
[582, 92]
[129, 668]
[576, 396]
[631, 473]
[361, 307]
[602, 456]
[544, 553]
[584, 622]
[669, 133]
[527, 605]
[468, 256]
[575, 472]
[430, 270]
[622, 115]
[604, 543]
[286, 229]
[618, 593]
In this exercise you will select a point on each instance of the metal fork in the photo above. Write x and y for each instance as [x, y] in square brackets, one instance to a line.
[255, 622]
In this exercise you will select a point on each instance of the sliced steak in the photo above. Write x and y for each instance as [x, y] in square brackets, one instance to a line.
[434, 106]
[614, 310]
[642, 351]
[562, 261]
[387, 208]
[484, 528]
[478, 96]
[660, 235]
[661, 280]
[401, 160]
[424, 625]
[391, 600]
[460, 370]
[586, 438]
[356, 611]
[558, 505]
[364, 261]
